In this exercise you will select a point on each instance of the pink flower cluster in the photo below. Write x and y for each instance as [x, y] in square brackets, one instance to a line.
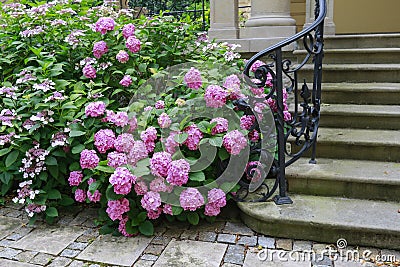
[178, 172]
[220, 127]
[133, 44]
[89, 71]
[128, 30]
[215, 96]
[80, 195]
[138, 152]
[95, 197]
[122, 180]
[234, 142]
[116, 208]
[247, 121]
[95, 109]
[126, 81]
[104, 24]
[122, 226]
[159, 185]
[193, 79]
[170, 143]
[89, 159]
[104, 140]
[149, 136]
[164, 121]
[151, 201]
[141, 188]
[194, 138]
[116, 159]
[253, 170]
[216, 200]
[75, 178]
[124, 142]
[119, 119]
[232, 84]
[159, 104]
[99, 49]
[191, 199]
[122, 56]
[159, 164]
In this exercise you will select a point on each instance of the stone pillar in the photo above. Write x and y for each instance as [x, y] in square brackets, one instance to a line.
[270, 19]
[224, 23]
[329, 25]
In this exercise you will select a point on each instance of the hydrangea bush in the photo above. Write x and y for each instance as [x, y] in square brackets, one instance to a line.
[68, 125]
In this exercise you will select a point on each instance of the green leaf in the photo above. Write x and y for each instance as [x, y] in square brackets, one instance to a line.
[4, 151]
[131, 229]
[146, 228]
[51, 161]
[106, 230]
[193, 218]
[53, 171]
[76, 133]
[204, 126]
[94, 186]
[51, 212]
[11, 158]
[142, 67]
[223, 154]
[176, 210]
[5, 177]
[197, 176]
[216, 141]
[111, 195]
[53, 194]
[180, 138]
[142, 216]
[77, 149]
[140, 171]
[66, 201]
[106, 169]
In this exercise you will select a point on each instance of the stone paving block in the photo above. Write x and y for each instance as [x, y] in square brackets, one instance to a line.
[77, 263]
[51, 240]
[60, 262]
[247, 240]
[161, 240]
[88, 236]
[237, 228]
[9, 253]
[70, 253]
[285, 244]
[8, 225]
[42, 259]
[9, 263]
[208, 227]
[322, 262]
[266, 242]
[6, 243]
[173, 233]
[189, 234]
[149, 257]
[26, 256]
[207, 236]
[14, 237]
[190, 253]
[14, 213]
[340, 263]
[226, 264]
[252, 260]
[115, 250]
[234, 254]
[78, 245]
[154, 249]
[300, 245]
[143, 263]
[392, 255]
[227, 238]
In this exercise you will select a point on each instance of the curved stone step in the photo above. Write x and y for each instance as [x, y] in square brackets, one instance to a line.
[327, 219]
[361, 116]
[361, 93]
[340, 143]
[345, 178]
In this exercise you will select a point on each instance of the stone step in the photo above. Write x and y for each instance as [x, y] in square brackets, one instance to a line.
[345, 178]
[327, 219]
[362, 41]
[360, 116]
[361, 93]
[354, 73]
[356, 55]
[360, 144]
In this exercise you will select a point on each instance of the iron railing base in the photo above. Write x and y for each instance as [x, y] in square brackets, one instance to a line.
[279, 200]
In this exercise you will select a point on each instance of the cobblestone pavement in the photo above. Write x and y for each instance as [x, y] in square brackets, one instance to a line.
[74, 241]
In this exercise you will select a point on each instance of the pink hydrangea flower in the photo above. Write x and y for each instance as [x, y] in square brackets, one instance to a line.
[164, 121]
[159, 185]
[116, 208]
[89, 71]
[122, 226]
[124, 142]
[217, 197]
[167, 209]
[132, 122]
[140, 188]
[220, 127]
[91, 181]
[194, 138]
[119, 119]
[122, 180]
[99, 49]
[193, 79]
[211, 210]
[178, 172]
[138, 152]
[80, 195]
[151, 201]
[116, 159]
[128, 30]
[287, 116]
[149, 136]
[254, 171]
[104, 24]
[256, 65]
[75, 178]
[95, 197]
[215, 96]
[122, 56]
[159, 104]
[126, 81]
[170, 143]
[247, 121]
[159, 163]
[133, 44]
[104, 140]
[232, 85]
[256, 90]
[95, 109]
[89, 159]
[254, 136]
[154, 214]
[272, 104]
[234, 142]
[191, 199]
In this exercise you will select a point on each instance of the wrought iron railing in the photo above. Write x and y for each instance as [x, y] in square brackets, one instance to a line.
[302, 129]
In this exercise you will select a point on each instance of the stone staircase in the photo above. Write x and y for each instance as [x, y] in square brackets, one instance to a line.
[353, 191]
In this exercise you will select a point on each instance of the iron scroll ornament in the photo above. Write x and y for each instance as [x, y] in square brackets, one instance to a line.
[302, 130]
